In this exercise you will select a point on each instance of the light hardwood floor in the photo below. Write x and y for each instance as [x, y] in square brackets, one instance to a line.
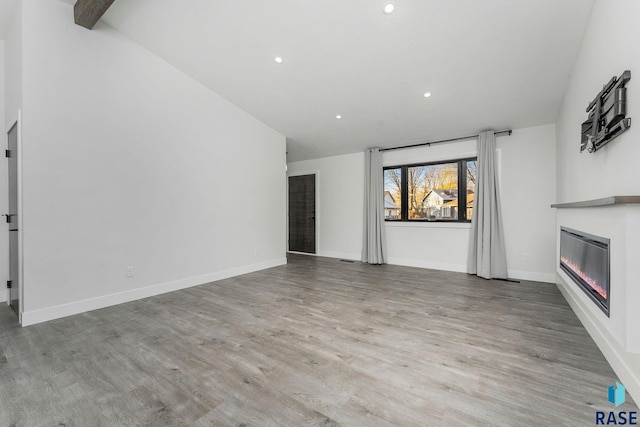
[315, 342]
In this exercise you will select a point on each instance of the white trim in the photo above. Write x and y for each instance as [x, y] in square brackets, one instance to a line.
[340, 255]
[20, 282]
[632, 271]
[532, 276]
[14, 118]
[399, 261]
[316, 173]
[610, 348]
[20, 222]
[302, 253]
[458, 268]
[63, 310]
[428, 224]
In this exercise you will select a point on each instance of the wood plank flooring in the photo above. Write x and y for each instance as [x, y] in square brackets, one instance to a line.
[315, 342]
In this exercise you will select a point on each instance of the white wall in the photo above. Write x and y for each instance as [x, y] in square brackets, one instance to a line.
[606, 51]
[609, 48]
[528, 180]
[528, 190]
[4, 233]
[429, 245]
[129, 162]
[340, 199]
[12, 68]
[11, 100]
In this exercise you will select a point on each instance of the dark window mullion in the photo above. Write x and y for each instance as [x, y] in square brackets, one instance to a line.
[404, 191]
[462, 190]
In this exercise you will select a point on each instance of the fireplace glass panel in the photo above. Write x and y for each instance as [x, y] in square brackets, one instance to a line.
[585, 258]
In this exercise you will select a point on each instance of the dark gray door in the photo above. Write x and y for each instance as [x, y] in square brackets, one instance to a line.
[302, 213]
[12, 219]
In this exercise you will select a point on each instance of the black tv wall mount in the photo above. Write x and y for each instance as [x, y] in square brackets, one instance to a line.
[607, 111]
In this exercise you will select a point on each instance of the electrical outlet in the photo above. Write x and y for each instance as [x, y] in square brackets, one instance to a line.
[526, 256]
[129, 271]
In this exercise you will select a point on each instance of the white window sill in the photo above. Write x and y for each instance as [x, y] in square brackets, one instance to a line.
[428, 224]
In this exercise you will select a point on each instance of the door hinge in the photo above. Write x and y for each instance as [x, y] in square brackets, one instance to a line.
[7, 153]
[8, 284]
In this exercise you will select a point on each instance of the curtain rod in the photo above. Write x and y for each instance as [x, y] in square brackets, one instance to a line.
[499, 133]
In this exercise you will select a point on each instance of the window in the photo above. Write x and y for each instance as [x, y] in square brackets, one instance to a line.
[442, 191]
[392, 193]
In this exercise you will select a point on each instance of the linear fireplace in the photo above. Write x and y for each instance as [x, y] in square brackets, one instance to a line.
[585, 258]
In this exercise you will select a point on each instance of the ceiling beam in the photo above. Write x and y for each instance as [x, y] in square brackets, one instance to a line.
[87, 12]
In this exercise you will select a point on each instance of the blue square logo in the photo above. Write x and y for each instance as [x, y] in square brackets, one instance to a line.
[616, 394]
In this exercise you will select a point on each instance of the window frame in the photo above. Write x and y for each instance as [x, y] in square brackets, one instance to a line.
[404, 190]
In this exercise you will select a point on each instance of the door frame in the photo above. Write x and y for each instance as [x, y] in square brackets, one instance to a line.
[17, 122]
[316, 173]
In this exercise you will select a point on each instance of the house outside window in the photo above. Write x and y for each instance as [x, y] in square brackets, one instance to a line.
[391, 208]
[442, 191]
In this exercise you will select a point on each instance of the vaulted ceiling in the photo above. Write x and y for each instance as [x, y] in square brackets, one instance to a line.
[487, 64]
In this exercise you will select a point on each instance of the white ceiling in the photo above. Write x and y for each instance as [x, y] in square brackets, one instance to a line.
[491, 64]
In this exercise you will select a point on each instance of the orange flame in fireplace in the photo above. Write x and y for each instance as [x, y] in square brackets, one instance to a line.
[588, 280]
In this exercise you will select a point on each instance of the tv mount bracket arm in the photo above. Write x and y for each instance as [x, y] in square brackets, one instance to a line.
[607, 111]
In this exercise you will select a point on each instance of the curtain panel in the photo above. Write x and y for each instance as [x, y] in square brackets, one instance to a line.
[487, 255]
[374, 249]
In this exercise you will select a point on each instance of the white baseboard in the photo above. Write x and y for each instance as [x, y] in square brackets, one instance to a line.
[459, 268]
[532, 276]
[513, 274]
[302, 253]
[56, 312]
[340, 255]
[610, 348]
[400, 261]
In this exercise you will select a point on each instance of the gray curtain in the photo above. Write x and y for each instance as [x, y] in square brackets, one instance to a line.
[487, 255]
[374, 250]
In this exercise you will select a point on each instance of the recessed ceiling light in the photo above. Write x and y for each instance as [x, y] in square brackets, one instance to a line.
[338, 116]
[427, 94]
[278, 59]
[389, 8]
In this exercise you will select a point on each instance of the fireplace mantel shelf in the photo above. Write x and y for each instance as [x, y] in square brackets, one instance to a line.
[606, 201]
